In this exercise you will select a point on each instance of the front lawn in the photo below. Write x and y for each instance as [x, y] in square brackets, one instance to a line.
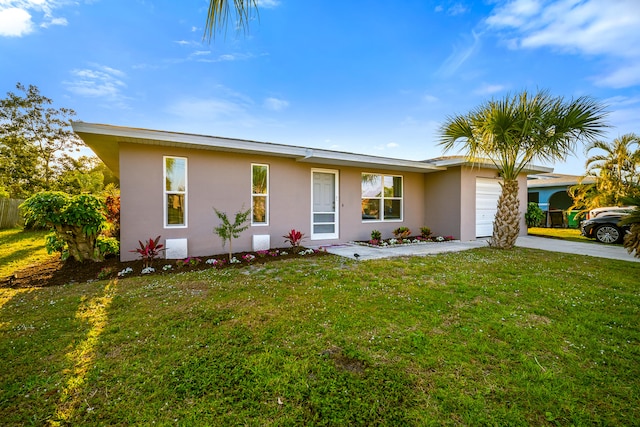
[572, 234]
[481, 337]
[20, 248]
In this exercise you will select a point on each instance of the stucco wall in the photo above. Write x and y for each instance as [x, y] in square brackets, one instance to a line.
[223, 180]
[450, 201]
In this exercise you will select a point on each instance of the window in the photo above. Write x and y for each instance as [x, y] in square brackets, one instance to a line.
[175, 191]
[381, 197]
[259, 194]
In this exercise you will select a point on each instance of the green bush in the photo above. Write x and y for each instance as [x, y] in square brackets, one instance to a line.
[107, 245]
[534, 215]
[76, 220]
[53, 243]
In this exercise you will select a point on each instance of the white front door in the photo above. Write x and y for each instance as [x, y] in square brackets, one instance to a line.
[324, 200]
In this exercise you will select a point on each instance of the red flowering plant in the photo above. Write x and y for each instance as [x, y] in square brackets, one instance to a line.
[149, 251]
[294, 238]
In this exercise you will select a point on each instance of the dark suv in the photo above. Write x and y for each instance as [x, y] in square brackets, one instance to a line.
[605, 227]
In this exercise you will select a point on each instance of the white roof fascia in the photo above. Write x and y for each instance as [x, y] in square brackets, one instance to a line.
[301, 154]
[485, 164]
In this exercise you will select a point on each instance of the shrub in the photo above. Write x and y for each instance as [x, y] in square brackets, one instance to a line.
[76, 220]
[149, 251]
[425, 232]
[53, 243]
[376, 235]
[112, 209]
[402, 232]
[294, 238]
[534, 216]
[108, 245]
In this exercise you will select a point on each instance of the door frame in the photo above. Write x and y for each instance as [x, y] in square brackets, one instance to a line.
[336, 198]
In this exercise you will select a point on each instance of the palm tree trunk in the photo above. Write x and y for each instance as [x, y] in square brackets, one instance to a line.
[506, 226]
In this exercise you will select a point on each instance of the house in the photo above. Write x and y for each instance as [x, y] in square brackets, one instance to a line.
[549, 191]
[170, 182]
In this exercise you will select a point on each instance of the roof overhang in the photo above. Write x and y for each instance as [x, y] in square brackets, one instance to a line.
[105, 141]
[454, 161]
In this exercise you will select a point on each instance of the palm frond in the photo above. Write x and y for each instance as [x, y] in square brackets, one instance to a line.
[220, 11]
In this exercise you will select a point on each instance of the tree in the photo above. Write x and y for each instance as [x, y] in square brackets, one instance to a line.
[80, 175]
[616, 167]
[33, 132]
[220, 10]
[515, 131]
[18, 167]
[229, 231]
[76, 220]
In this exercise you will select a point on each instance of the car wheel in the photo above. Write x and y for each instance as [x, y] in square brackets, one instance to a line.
[608, 234]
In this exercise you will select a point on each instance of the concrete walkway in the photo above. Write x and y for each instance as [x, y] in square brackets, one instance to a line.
[554, 245]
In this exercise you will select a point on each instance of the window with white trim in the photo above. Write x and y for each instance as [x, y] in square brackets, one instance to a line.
[175, 191]
[259, 194]
[381, 197]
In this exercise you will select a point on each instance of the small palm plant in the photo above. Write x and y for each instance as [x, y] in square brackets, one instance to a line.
[229, 231]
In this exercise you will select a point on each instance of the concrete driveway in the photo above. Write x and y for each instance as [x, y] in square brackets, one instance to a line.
[554, 245]
[594, 249]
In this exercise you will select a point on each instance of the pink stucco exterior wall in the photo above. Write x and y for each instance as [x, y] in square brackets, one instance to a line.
[223, 180]
[450, 200]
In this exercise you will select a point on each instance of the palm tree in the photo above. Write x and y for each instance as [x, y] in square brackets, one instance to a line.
[632, 239]
[616, 170]
[220, 10]
[618, 167]
[515, 131]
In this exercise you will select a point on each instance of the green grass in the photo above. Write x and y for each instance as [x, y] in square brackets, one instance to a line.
[481, 337]
[20, 249]
[571, 234]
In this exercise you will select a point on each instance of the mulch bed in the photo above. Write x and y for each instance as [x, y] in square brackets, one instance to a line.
[57, 272]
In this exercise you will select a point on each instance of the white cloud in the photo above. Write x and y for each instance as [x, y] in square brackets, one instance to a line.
[457, 9]
[15, 22]
[460, 56]
[489, 89]
[99, 82]
[268, 4]
[392, 145]
[18, 17]
[601, 28]
[55, 21]
[430, 98]
[275, 104]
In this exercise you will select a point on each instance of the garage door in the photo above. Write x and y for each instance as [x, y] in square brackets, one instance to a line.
[487, 194]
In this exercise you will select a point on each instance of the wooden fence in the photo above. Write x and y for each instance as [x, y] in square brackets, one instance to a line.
[9, 213]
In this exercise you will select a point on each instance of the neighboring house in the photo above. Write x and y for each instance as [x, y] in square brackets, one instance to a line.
[170, 182]
[549, 191]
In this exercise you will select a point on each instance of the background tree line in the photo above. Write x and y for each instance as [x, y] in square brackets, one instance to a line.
[39, 151]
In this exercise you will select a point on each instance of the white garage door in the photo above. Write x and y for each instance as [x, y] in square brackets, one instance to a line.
[487, 194]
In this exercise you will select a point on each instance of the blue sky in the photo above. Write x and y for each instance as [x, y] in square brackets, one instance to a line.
[373, 77]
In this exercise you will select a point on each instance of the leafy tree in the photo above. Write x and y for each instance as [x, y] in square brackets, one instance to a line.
[18, 167]
[76, 220]
[515, 131]
[229, 231]
[616, 167]
[33, 134]
[79, 175]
